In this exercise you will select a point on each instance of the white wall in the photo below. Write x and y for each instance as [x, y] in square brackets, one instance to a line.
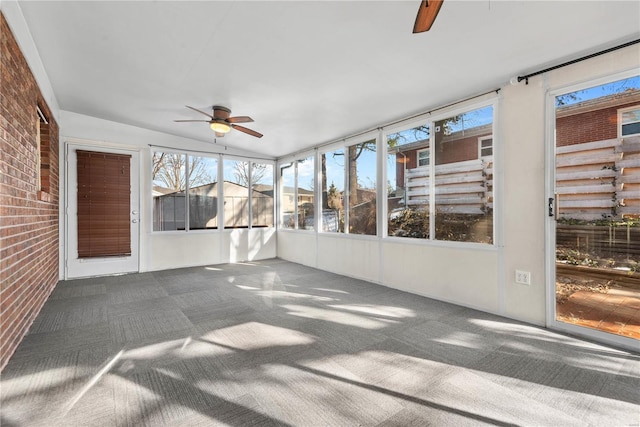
[298, 246]
[471, 275]
[358, 256]
[444, 271]
[167, 250]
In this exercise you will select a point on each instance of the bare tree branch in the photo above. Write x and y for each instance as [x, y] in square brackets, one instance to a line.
[241, 172]
[169, 170]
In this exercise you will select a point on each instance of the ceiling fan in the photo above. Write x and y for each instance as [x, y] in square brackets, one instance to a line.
[221, 123]
[426, 15]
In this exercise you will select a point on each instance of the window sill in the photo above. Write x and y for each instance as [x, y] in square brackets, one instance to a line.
[44, 196]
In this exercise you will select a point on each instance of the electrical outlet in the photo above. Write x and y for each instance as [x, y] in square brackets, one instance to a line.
[523, 277]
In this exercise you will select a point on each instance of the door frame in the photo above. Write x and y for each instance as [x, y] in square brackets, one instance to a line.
[104, 266]
[550, 222]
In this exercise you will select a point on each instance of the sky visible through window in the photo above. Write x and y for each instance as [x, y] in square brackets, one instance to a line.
[305, 173]
[335, 169]
[619, 86]
[288, 175]
[471, 119]
[336, 172]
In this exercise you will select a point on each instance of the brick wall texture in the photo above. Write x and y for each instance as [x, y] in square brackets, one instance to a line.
[596, 125]
[29, 198]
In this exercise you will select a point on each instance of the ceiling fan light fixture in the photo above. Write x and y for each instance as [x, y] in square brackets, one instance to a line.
[221, 123]
[220, 126]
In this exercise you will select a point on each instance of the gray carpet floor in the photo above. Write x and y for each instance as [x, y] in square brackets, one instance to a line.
[276, 343]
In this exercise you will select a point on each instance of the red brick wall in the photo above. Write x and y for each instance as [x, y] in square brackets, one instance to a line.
[591, 126]
[450, 151]
[28, 202]
[459, 150]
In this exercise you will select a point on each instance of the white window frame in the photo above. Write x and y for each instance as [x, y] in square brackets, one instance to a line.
[313, 156]
[329, 150]
[273, 187]
[295, 160]
[480, 140]
[221, 168]
[281, 185]
[361, 139]
[220, 179]
[497, 189]
[423, 150]
[622, 111]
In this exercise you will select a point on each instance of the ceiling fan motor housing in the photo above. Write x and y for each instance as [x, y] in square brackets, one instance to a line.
[220, 112]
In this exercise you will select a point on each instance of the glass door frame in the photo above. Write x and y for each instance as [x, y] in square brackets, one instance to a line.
[550, 221]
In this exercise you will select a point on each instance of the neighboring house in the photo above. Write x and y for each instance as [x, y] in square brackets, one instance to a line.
[598, 157]
[160, 191]
[288, 198]
[465, 157]
[607, 117]
[266, 189]
[469, 144]
[169, 207]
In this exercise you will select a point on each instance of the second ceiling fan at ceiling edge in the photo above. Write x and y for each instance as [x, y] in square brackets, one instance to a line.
[221, 123]
[426, 15]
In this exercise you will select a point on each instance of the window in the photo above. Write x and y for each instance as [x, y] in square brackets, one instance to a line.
[287, 195]
[203, 192]
[305, 190]
[43, 154]
[362, 188]
[185, 192]
[408, 156]
[464, 196]
[332, 165]
[629, 119]
[184, 185]
[423, 157]
[485, 145]
[236, 193]
[297, 194]
[261, 195]
[169, 184]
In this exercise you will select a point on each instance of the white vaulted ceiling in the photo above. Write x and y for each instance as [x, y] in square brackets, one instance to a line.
[308, 72]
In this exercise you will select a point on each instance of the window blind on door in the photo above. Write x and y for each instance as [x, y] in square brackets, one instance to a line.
[104, 203]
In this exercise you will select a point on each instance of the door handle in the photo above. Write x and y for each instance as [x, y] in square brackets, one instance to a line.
[552, 206]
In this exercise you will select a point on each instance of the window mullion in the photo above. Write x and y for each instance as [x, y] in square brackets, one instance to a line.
[295, 195]
[432, 184]
[186, 193]
[250, 197]
[220, 179]
[345, 193]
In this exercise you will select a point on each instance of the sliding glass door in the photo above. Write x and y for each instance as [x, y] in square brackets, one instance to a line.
[595, 209]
